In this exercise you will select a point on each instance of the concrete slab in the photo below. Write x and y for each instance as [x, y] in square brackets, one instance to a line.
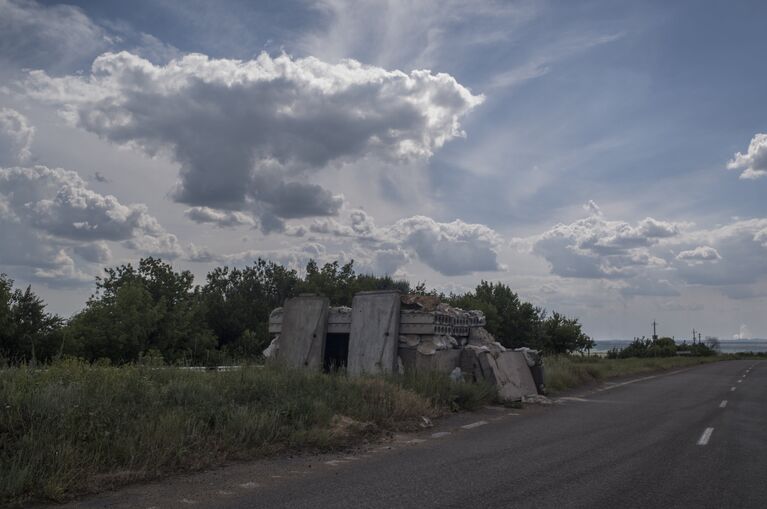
[374, 333]
[302, 337]
[508, 371]
[442, 361]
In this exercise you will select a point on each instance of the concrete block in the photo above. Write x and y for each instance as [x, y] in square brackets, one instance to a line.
[508, 371]
[302, 336]
[374, 333]
[441, 361]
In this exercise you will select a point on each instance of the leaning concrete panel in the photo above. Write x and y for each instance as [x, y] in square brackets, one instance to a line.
[518, 372]
[304, 326]
[507, 371]
[374, 333]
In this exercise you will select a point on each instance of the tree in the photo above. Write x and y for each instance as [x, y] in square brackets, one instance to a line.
[513, 322]
[27, 332]
[564, 335]
[136, 309]
[237, 303]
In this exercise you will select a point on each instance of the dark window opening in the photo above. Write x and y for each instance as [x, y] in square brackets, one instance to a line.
[336, 352]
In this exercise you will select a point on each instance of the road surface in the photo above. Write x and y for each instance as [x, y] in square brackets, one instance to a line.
[693, 438]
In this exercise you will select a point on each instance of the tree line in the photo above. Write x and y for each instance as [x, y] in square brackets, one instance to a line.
[153, 311]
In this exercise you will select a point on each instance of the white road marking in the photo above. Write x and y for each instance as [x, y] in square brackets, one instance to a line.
[512, 413]
[334, 463]
[723, 403]
[732, 389]
[225, 493]
[704, 438]
[474, 425]
[188, 501]
[415, 441]
[571, 398]
[740, 381]
[440, 434]
[250, 485]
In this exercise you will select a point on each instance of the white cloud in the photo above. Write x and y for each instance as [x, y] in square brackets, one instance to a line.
[594, 247]
[220, 218]
[159, 244]
[699, 254]
[247, 134]
[452, 249]
[742, 255]
[752, 164]
[200, 254]
[59, 202]
[50, 213]
[15, 137]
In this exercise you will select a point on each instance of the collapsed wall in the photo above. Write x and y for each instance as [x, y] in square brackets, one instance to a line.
[386, 332]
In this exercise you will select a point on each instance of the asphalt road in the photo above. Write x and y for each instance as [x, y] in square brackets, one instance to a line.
[663, 441]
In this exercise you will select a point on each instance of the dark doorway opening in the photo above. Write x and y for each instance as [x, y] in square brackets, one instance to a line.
[336, 352]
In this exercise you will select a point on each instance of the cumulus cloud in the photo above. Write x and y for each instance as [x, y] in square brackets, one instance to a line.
[94, 252]
[220, 218]
[295, 257]
[58, 203]
[699, 254]
[452, 249]
[15, 137]
[247, 133]
[752, 164]
[742, 256]
[200, 254]
[32, 35]
[594, 247]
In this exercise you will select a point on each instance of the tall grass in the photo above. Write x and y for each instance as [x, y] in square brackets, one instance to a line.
[568, 371]
[75, 427]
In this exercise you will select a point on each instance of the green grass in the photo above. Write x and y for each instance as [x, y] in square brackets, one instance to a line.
[568, 371]
[75, 427]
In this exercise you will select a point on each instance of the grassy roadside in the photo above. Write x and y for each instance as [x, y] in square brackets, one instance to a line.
[569, 371]
[75, 427]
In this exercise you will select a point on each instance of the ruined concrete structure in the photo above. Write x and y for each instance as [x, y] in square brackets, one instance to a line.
[386, 332]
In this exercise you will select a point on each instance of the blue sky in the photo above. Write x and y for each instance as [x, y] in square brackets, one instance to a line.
[605, 159]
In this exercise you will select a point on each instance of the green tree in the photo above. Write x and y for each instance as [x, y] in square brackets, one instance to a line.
[140, 308]
[564, 335]
[513, 322]
[238, 302]
[27, 331]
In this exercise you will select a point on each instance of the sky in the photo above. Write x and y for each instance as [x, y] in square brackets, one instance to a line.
[607, 160]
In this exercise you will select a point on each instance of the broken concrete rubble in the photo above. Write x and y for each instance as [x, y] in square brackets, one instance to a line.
[385, 332]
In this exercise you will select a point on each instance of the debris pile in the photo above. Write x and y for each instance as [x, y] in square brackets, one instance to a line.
[431, 336]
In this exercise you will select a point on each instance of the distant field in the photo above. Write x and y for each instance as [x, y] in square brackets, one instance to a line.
[568, 371]
[726, 346]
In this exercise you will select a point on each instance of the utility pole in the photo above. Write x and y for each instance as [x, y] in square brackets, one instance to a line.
[654, 331]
